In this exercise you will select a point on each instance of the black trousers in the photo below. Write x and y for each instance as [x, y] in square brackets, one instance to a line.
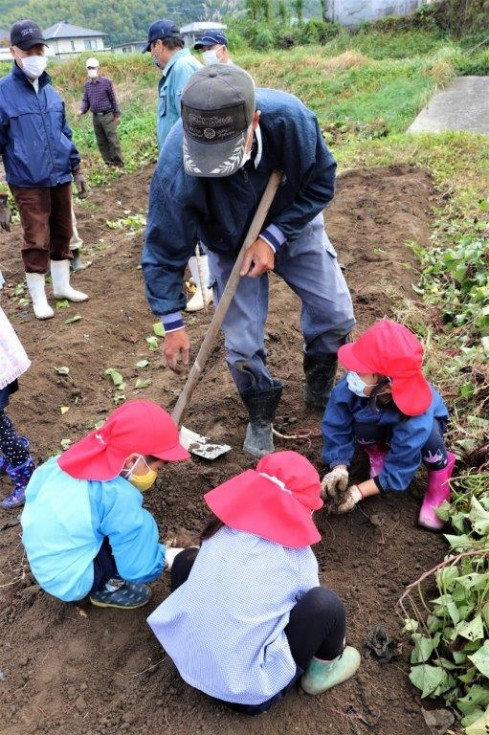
[104, 566]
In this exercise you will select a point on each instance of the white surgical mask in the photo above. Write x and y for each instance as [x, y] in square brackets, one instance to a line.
[92, 73]
[357, 385]
[211, 57]
[33, 66]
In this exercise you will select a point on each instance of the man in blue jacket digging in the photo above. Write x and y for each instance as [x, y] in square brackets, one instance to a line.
[40, 161]
[213, 170]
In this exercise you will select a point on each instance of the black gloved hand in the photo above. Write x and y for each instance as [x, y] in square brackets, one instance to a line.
[5, 213]
[81, 184]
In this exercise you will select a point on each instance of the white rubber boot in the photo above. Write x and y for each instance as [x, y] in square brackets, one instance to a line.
[35, 284]
[322, 675]
[199, 268]
[60, 273]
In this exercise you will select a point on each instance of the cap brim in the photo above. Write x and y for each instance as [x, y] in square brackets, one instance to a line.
[412, 395]
[175, 454]
[26, 45]
[213, 160]
[348, 359]
[198, 46]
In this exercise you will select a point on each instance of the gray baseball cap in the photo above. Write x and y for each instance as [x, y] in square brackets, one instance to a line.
[218, 104]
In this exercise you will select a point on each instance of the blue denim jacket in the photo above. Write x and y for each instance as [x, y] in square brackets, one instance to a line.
[35, 139]
[218, 211]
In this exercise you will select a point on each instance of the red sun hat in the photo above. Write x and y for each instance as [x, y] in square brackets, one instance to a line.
[274, 501]
[140, 427]
[390, 349]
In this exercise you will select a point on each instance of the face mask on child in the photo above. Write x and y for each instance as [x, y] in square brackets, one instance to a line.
[142, 482]
[33, 66]
[357, 385]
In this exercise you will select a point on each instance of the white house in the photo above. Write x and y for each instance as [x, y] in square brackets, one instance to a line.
[66, 39]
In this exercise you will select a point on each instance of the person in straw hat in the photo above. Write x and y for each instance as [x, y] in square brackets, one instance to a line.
[247, 617]
[83, 525]
[386, 405]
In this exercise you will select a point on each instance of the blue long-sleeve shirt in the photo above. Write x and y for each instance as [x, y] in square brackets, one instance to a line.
[65, 521]
[219, 211]
[174, 77]
[408, 434]
[35, 138]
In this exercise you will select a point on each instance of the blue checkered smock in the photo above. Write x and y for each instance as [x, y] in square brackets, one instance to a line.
[224, 627]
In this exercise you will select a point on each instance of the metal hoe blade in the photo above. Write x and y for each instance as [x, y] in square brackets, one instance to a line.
[200, 445]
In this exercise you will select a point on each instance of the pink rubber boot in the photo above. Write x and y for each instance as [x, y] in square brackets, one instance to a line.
[437, 491]
[376, 457]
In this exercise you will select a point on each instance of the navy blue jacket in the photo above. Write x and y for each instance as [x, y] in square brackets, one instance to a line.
[408, 434]
[35, 139]
[219, 211]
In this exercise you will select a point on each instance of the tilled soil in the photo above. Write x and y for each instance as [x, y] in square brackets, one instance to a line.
[72, 669]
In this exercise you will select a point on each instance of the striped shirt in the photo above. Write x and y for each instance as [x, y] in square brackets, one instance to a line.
[99, 96]
[224, 627]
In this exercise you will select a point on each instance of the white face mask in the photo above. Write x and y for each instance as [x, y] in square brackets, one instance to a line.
[211, 57]
[357, 385]
[92, 73]
[33, 66]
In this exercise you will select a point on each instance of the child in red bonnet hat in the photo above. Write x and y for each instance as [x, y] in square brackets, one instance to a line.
[247, 617]
[84, 528]
[386, 405]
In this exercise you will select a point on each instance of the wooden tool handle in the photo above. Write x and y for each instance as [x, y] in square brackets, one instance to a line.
[181, 406]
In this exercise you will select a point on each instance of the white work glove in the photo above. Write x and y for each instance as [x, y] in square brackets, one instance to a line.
[170, 554]
[349, 499]
[335, 482]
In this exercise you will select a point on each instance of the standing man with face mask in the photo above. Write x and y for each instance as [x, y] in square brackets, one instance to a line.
[210, 177]
[99, 97]
[40, 161]
[214, 47]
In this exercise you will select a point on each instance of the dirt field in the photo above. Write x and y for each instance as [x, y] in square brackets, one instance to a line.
[69, 669]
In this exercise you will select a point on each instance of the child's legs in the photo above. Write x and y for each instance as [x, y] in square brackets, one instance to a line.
[104, 566]
[366, 434]
[11, 445]
[316, 627]
[434, 452]
[182, 566]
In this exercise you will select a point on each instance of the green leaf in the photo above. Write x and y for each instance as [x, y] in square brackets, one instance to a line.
[459, 543]
[63, 304]
[159, 329]
[153, 343]
[143, 382]
[473, 631]
[65, 443]
[423, 648]
[117, 378]
[73, 319]
[479, 517]
[432, 680]
[480, 726]
[142, 363]
[481, 659]
[63, 370]
[477, 696]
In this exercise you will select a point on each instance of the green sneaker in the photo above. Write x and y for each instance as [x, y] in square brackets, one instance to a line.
[322, 675]
[122, 595]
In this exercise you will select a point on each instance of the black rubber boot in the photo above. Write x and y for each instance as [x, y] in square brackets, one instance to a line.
[261, 406]
[320, 372]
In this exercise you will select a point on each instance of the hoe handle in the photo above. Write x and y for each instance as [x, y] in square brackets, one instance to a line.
[207, 345]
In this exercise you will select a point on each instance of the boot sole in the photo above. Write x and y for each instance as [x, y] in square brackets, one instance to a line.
[97, 603]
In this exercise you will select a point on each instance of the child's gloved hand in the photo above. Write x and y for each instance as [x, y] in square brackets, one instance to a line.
[335, 482]
[349, 500]
[170, 554]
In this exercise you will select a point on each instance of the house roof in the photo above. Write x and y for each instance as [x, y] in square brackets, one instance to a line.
[204, 25]
[67, 30]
